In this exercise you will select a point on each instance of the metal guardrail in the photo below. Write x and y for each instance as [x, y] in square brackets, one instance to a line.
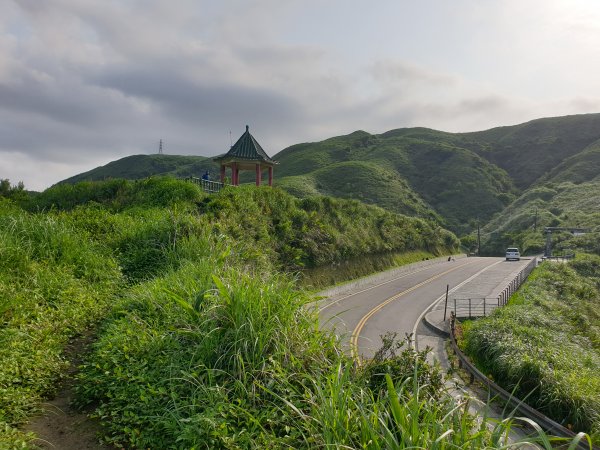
[558, 258]
[474, 307]
[482, 306]
[212, 187]
[517, 282]
[519, 406]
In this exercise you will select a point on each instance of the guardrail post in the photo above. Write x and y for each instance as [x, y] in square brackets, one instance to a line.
[446, 304]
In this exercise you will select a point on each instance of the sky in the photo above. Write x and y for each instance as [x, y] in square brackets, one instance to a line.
[86, 82]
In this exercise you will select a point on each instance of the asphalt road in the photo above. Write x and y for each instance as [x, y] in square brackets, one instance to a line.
[396, 304]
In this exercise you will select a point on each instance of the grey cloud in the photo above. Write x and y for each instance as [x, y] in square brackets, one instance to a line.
[393, 71]
[58, 101]
[482, 104]
[193, 102]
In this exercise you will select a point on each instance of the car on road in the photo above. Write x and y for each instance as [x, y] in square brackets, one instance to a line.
[513, 253]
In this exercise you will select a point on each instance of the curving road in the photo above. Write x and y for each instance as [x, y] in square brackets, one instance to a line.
[397, 303]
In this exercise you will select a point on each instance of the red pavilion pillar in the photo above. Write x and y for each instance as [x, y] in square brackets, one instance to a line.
[222, 173]
[258, 175]
[270, 175]
[233, 174]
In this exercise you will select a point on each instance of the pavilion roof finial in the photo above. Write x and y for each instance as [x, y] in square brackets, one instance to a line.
[246, 148]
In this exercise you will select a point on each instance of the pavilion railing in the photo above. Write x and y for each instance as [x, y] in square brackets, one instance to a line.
[209, 186]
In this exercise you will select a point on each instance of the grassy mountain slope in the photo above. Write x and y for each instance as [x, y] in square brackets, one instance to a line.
[365, 181]
[461, 176]
[582, 167]
[137, 167]
[399, 170]
[529, 150]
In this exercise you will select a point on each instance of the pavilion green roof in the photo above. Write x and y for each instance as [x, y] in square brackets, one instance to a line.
[246, 148]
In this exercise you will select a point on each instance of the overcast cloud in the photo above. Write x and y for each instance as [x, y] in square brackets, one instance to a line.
[85, 82]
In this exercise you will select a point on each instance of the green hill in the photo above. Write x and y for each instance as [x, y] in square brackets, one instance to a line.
[407, 170]
[361, 180]
[137, 167]
[530, 150]
[463, 177]
[582, 167]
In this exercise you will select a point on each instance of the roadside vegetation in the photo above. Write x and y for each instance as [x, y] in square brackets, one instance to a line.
[545, 345]
[266, 223]
[204, 340]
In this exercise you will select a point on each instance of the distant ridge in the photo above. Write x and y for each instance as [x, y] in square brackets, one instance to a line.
[459, 179]
[137, 167]
[463, 177]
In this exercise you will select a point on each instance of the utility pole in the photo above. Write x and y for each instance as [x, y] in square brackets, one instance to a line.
[478, 240]
[550, 230]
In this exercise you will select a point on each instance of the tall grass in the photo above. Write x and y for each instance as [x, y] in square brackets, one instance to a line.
[53, 285]
[266, 223]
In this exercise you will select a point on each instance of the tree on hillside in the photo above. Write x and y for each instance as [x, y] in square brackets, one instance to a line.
[9, 191]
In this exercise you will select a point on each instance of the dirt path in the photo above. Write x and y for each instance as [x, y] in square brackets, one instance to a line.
[61, 426]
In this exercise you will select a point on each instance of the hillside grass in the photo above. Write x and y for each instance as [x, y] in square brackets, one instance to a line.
[203, 342]
[579, 168]
[530, 150]
[417, 171]
[545, 345]
[54, 285]
[368, 182]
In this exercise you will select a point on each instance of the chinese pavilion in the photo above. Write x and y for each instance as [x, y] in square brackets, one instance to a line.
[246, 154]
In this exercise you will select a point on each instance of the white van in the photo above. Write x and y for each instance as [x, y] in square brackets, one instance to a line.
[513, 253]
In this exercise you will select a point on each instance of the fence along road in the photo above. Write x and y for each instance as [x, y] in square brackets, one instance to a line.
[396, 304]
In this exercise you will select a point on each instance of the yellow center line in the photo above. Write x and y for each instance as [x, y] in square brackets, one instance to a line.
[328, 305]
[379, 307]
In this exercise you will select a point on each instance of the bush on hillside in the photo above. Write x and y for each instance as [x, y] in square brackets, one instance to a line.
[269, 224]
[117, 194]
[320, 230]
